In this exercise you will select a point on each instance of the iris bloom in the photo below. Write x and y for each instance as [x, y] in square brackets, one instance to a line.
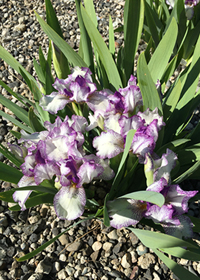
[170, 214]
[59, 152]
[76, 88]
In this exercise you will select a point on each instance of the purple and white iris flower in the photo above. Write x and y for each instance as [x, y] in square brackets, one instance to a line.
[170, 214]
[76, 88]
[59, 152]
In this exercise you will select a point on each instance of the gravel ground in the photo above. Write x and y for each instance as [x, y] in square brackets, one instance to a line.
[87, 251]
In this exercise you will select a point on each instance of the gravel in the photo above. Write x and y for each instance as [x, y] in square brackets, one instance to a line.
[87, 251]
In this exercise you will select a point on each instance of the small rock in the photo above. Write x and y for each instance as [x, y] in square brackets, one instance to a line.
[117, 248]
[56, 267]
[183, 262]
[75, 246]
[156, 277]
[96, 246]
[62, 257]
[113, 234]
[70, 270]
[146, 260]
[94, 256]
[107, 246]
[20, 27]
[126, 260]
[36, 276]
[141, 250]
[64, 240]
[44, 266]
[62, 274]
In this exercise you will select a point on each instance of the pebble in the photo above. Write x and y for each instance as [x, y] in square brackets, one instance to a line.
[96, 246]
[44, 266]
[146, 260]
[126, 260]
[36, 276]
[141, 249]
[113, 235]
[75, 246]
[62, 275]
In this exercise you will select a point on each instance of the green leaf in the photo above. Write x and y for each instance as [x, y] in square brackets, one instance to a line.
[172, 146]
[16, 122]
[10, 156]
[116, 181]
[69, 53]
[9, 174]
[52, 18]
[89, 7]
[153, 23]
[133, 25]
[60, 63]
[44, 246]
[42, 60]
[153, 239]
[18, 111]
[180, 271]
[48, 80]
[34, 121]
[158, 62]
[182, 253]
[187, 174]
[111, 37]
[148, 89]
[104, 54]
[39, 71]
[106, 219]
[149, 196]
[169, 70]
[196, 222]
[85, 39]
[171, 101]
[184, 108]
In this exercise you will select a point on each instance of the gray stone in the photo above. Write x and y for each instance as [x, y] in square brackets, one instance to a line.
[70, 270]
[75, 246]
[44, 266]
[36, 276]
[146, 260]
[62, 275]
[141, 250]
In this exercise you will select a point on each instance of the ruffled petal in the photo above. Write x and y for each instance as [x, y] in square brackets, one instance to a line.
[69, 203]
[108, 144]
[125, 212]
[22, 196]
[53, 102]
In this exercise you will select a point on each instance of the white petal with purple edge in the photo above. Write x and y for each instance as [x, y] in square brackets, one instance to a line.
[53, 102]
[69, 203]
[125, 212]
[109, 144]
[22, 196]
